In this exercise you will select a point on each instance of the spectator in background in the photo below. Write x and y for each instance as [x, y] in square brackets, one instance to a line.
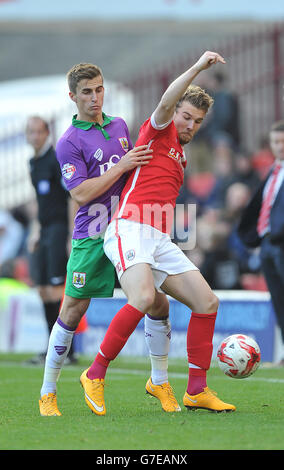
[49, 233]
[245, 172]
[263, 158]
[230, 168]
[223, 120]
[224, 171]
[225, 257]
[207, 188]
[262, 224]
[237, 198]
[218, 266]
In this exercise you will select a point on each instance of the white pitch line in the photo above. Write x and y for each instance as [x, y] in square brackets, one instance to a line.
[180, 375]
[174, 375]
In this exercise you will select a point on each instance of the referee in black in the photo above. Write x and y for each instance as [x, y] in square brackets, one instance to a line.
[50, 232]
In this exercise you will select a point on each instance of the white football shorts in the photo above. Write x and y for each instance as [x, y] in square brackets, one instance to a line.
[127, 243]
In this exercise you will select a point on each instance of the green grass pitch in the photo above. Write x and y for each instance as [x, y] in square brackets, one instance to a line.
[134, 420]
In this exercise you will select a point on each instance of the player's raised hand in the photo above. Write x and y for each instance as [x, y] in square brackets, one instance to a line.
[207, 59]
[137, 156]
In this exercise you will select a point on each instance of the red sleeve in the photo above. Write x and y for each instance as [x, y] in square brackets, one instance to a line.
[147, 132]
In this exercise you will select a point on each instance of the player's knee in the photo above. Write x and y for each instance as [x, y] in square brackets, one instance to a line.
[72, 311]
[143, 300]
[206, 304]
[213, 303]
[160, 308]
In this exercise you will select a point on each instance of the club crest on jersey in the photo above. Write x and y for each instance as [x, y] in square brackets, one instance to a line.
[79, 279]
[173, 153]
[124, 143]
[130, 255]
[68, 170]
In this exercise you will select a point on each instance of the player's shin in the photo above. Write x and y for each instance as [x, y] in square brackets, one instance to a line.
[199, 350]
[59, 344]
[157, 337]
[118, 332]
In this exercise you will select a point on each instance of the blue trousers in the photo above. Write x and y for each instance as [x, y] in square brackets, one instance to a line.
[272, 262]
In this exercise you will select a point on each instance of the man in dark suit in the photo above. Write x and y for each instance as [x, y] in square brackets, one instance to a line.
[262, 224]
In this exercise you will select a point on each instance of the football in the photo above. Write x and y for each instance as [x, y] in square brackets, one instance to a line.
[238, 356]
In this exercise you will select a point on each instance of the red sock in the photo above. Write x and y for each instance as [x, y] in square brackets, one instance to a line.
[118, 332]
[199, 349]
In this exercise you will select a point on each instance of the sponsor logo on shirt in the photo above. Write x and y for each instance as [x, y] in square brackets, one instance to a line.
[114, 159]
[68, 170]
[180, 158]
[98, 155]
[124, 143]
[79, 279]
[173, 153]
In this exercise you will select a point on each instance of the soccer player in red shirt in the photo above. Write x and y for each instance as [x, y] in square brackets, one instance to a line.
[137, 242]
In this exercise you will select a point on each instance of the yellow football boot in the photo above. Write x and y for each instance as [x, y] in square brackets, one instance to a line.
[165, 394]
[94, 393]
[48, 405]
[206, 400]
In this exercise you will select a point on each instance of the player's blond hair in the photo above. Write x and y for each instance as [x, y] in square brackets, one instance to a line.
[197, 97]
[80, 72]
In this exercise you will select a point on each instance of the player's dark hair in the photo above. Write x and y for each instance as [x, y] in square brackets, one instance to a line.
[197, 97]
[277, 126]
[80, 72]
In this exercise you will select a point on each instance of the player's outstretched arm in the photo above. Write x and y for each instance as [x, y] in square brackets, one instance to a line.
[166, 108]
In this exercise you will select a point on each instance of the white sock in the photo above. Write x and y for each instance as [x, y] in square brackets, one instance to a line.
[193, 366]
[159, 369]
[157, 337]
[58, 347]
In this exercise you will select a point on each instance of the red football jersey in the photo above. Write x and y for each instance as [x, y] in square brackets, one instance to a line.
[150, 193]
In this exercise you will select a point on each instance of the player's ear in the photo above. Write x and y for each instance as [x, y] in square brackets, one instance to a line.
[73, 97]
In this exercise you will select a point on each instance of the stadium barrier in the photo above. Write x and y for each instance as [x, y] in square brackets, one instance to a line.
[23, 328]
